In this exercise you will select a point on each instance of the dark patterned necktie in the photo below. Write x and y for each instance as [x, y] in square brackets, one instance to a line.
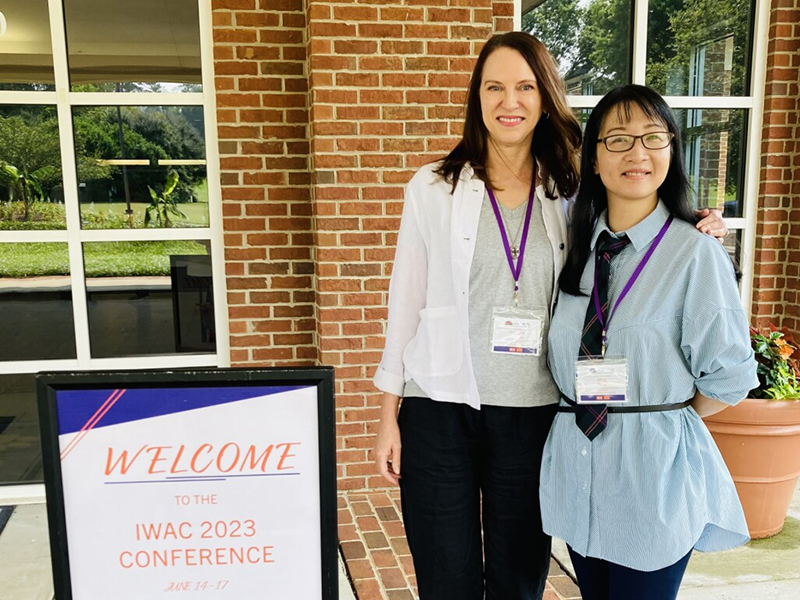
[591, 418]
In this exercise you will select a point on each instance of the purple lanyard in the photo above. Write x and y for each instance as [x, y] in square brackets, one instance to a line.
[596, 295]
[515, 269]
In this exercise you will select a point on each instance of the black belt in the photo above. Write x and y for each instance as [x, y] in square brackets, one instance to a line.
[629, 409]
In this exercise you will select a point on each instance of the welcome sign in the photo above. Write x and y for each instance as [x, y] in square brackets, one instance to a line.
[196, 484]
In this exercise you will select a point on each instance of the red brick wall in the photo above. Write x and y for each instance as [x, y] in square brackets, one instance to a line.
[777, 255]
[262, 100]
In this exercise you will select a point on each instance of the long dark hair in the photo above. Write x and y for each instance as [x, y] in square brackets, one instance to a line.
[592, 200]
[556, 139]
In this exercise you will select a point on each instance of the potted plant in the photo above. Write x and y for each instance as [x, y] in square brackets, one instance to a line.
[760, 437]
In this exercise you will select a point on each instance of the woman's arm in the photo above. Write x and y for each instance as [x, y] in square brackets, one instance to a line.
[387, 444]
[705, 406]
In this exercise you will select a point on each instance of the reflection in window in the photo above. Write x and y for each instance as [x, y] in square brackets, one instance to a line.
[145, 166]
[733, 246]
[25, 48]
[141, 46]
[713, 144]
[36, 302]
[590, 39]
[31, 192]
[149, 298]
[698, 47]
[20, 448]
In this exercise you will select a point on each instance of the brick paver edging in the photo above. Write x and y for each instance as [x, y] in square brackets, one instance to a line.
[376, 552]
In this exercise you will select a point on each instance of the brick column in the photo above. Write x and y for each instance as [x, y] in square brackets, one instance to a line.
[262, 113]
[777, 255]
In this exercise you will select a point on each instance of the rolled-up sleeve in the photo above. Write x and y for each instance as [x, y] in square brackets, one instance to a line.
[720, 357]
[407, 295]
[716, 334]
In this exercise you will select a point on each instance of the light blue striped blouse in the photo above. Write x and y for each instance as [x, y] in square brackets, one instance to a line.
[653, 485]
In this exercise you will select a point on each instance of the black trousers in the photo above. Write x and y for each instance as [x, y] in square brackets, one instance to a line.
[461, 468]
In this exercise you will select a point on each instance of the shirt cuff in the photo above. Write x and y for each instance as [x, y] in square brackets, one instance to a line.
[389, 382]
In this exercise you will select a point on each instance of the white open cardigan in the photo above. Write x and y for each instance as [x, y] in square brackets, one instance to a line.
[427, 336]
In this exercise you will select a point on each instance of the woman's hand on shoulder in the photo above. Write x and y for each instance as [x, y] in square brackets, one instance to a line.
[712, 223]
[387, 443]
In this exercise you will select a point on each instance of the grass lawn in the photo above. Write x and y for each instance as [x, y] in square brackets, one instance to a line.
[101, 259]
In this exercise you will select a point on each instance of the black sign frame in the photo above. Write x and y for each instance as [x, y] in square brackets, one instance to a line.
[47, 384]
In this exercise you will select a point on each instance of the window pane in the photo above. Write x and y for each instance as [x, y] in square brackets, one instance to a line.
[25, 48]
[128, 155]
[31, 192]
[733, 245]
[141, 46]
[36, 302]
[20, 448]
[699, 47]
[590, 40]
[149, 298]
[582, 114]
[713, 144]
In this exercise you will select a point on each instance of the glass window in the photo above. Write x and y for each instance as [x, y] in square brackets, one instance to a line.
[149, 298]
[733, 245]
[31, 190]
[36, 302]
[699, 47]
[591, 40]
[141, 166]
[20, 448]
[25, 48]
[141, 46]
[713, 144]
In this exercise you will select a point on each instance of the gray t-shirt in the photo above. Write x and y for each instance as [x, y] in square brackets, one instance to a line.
[503, 379]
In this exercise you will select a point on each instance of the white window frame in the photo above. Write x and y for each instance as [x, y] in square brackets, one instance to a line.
[64, 100]
[753, 102]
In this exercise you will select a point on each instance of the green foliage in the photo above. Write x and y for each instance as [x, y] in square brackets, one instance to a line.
[777, 373]
[557, 26]
[30, 142]
[163, 205]
[30, 156]
[108, 220]
[41, 215]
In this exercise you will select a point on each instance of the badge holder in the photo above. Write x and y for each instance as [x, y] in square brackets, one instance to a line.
[601, 380]
[517, 331]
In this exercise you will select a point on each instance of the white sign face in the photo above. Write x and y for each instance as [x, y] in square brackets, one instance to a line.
[207, 492]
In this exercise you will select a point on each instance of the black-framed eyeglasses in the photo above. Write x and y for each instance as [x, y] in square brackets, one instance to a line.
[655, 140]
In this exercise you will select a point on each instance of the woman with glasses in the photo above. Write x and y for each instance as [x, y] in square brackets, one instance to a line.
[482, 240]
[649, 336]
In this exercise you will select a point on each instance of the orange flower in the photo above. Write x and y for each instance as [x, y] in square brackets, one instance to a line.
[784, 348]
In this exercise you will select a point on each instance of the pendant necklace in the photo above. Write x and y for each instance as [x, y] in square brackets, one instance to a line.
[514, 247]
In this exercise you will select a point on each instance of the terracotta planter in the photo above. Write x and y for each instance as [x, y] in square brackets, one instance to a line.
[760, 442]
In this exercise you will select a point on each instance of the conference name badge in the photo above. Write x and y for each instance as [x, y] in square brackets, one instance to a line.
[517, 331]
[601, 380]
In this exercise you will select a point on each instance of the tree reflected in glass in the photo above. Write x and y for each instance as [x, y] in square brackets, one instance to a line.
[140, 147]
[698, 47]
[590, 40]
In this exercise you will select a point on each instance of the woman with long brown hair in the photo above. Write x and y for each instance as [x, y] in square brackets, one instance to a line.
[482, 241]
